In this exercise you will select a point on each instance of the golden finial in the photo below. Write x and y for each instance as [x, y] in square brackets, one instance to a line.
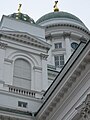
[19, 8]
[56, 9]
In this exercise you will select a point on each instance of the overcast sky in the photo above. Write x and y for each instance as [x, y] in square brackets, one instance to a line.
[37, 8]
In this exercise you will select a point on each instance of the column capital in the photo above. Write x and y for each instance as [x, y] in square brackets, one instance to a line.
[43, 56]
[8, 61]
[83, 39]
[49, 37]
[84, 109]
[3, 45]
[66, 34]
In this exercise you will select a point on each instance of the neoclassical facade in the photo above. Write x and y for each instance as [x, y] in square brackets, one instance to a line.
[44, 67]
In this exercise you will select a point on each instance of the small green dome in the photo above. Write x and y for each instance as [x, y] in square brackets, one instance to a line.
[58, 15]
[23, 17]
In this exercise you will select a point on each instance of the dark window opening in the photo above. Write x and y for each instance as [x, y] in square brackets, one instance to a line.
[22, 104]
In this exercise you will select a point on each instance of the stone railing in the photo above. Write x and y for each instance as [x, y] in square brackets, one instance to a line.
[25, 92]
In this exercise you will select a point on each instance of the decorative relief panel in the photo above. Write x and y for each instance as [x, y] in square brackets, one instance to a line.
[84, 109]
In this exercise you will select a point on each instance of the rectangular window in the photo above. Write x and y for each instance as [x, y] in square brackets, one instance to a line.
[22, 104]
[59, 61]
[58, 45]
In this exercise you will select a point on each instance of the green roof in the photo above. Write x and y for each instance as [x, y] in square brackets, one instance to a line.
[58, 15]
[23, 17]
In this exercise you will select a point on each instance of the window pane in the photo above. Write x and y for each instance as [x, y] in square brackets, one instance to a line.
[56, 58]
[22, 69]
[59, 61]
[56, 61]
[58, 45]
[74, 45]
[22, 73]
[62, 57]
[22, 104]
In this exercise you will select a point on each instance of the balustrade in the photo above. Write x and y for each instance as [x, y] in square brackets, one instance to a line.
[23, 91]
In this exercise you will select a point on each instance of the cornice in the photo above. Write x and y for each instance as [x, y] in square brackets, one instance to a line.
[26, 39]
[9, 110]
[59, 92]
[68, 25]
[64, 34]
[60, 96]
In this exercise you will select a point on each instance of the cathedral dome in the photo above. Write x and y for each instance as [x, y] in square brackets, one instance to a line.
[23, 17]
[60, 15]
[61, 18]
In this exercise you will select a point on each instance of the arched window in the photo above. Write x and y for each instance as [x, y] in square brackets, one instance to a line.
[22, 74]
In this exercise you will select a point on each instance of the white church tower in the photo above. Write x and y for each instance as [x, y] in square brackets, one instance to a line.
[32, 55]
[64, 32]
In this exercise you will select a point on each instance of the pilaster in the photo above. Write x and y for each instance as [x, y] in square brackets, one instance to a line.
[37, 78]
[2, 55]
[66, 36]
[44, 71]
[8, 71]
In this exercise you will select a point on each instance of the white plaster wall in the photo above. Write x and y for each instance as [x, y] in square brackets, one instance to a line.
[32, 54]
[18, 25]
[57, 35]
[10, 100]
[2, 55]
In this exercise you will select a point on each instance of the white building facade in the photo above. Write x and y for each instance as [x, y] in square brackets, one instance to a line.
[44, 67]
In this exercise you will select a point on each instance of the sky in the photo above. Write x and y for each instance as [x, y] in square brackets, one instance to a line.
[37, 8]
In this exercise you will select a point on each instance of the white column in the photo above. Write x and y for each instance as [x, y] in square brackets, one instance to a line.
[49, 59]
[49, 40]
[44, 72]
[68, 45]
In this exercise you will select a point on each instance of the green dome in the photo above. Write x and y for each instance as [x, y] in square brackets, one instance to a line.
[58, 15]
[23, 17]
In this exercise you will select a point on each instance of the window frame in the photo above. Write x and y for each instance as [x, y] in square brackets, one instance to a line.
[24, 75]
[59, 60]
[58, 45]
[18, 76]
[22, 104]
